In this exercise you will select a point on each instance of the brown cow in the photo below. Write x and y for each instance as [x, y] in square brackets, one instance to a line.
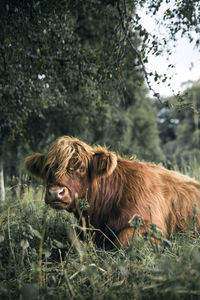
[115, 189]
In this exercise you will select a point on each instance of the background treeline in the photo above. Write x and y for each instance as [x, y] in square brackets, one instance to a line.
[179, 129]
[72, 68]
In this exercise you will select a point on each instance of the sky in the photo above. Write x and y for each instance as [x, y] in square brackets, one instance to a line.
[185, 58]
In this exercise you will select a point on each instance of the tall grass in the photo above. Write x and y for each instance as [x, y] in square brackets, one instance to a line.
[41, 257]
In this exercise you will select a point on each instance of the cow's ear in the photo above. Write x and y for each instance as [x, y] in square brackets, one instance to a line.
[34, 164]
[103, 162]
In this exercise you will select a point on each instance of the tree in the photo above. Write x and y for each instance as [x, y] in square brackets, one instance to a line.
[131, 128]
[180, 129]
[56, 58]
[178, 18]
[69, 65]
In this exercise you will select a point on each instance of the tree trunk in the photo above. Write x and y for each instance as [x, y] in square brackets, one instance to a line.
[2, 186]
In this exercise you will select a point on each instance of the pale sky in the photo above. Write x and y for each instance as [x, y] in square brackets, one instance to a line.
[183, 57]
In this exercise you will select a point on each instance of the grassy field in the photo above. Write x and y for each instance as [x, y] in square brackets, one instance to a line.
[41, 257]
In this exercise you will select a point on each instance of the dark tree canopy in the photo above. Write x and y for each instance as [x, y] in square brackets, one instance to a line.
[78, 68]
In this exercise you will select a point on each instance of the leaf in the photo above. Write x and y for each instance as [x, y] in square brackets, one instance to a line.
[24, 244]
[1, 238]
[34, 232]
[46, 253]
[166, 242]
[58, 244]
[118, 283]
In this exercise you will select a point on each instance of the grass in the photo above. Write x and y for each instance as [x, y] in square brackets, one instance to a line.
[41, 257]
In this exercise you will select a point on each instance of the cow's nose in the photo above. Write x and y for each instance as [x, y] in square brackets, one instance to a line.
[55, 193]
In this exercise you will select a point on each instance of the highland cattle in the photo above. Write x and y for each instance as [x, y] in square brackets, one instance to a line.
[115, 189]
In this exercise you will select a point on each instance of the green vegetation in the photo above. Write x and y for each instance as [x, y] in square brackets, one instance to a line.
[41, 257]
[66, 69]
[179, 125]
[76, 67]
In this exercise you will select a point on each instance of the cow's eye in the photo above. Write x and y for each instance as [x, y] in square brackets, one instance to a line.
[82, 169]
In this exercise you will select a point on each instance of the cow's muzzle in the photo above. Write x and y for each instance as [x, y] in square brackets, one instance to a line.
[59, 197]
[55, 193]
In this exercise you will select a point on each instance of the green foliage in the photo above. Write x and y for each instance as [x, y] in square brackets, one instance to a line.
[180, 129]
[41, 257]
[77, 68]
[66, 69]
[61, 55]
[131, 130]
[74, 56]
[175, 20]
[182, 15]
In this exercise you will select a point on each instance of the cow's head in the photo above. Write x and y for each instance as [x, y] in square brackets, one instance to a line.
[68, 170]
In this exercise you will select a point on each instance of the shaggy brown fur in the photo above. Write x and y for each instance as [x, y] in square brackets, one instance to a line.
[115, 188]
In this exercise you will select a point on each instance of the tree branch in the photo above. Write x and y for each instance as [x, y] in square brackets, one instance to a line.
[124, 21]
